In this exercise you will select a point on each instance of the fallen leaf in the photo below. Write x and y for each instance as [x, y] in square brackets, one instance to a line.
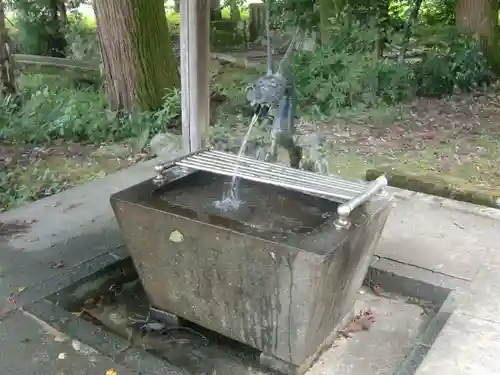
[12, 299]
[361, 322]
[20, 289]
[111, 372]
[176, 236]
[62, 356]
[56, 265]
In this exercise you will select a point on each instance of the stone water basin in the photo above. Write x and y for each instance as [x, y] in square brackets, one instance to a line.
[276, 274]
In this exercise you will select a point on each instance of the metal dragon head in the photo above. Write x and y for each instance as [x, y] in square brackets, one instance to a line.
[267, 91]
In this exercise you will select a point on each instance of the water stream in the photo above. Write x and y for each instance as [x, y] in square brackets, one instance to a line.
[231, 199]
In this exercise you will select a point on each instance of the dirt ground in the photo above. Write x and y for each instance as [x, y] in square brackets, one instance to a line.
[35, 172]
[454, 140]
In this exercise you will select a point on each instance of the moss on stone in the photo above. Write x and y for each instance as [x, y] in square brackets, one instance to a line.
[434, 185]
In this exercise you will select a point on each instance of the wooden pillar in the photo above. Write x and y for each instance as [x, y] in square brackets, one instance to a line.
[195, 72]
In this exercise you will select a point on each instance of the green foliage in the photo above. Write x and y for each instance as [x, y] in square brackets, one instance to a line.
[438, 12]
[174, 18]
[346, 74]
[226, 33]
[39, 33]
[15, 189]
[226, 12]
[432, 12]
[82, 37]
[174, 21]
[54, 109]
[455, 64]
[295, 12]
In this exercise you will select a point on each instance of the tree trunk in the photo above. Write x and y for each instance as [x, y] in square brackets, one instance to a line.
[7, 77]
[235, 10]
[382, 15]
[63, 12]
[215, 10]
[480, 18]
[412, 21]
[137, 53]
[56, 41]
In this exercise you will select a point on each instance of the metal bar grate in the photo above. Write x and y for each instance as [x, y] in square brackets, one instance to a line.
[259, 171]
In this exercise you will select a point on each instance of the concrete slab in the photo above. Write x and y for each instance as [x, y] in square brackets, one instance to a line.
[466, 346]
[432, 234]
[32, 347]
[397, 326]
[483, 298]
[438, 235]
[82, 210]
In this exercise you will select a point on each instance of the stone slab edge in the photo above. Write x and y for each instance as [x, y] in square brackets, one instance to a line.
[443, 291]
[465, 207]
[429, 286]
[109, 345]
[71, 276]
[426, 338]
[413, 281]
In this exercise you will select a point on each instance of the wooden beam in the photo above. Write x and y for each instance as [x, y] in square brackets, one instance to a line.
[195, 73]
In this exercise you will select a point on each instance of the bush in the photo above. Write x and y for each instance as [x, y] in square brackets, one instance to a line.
[345, 73]
[54, 109]
[81, 36]
[455, 64]
[226, 33]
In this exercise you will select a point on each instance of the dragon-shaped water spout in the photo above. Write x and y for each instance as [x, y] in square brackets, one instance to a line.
[275, 92]
[273, 99]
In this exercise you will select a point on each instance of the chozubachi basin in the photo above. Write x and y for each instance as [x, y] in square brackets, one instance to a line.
[278, 274]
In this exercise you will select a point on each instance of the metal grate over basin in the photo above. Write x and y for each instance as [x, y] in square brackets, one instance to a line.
[351, 194]
[260, 171]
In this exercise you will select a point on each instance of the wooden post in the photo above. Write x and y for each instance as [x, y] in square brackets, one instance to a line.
[195, 72]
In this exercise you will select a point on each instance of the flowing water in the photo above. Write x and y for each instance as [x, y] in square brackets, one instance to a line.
[231, 199]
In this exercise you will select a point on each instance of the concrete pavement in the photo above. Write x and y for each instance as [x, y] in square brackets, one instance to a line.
[446, 242]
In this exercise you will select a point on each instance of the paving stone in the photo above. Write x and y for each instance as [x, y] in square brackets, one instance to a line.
[30, 347]
[426, 234]
[482, 300]
[466, 346]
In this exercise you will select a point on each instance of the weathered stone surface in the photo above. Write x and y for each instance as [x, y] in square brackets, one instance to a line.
[380, 350]
[436, 237]
[165, 143]
[466, 346]
[30, 346]
[483, 297]
[282, 296]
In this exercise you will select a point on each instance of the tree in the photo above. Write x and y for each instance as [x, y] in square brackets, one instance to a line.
[329, 9]
[40, 26]
[480, 18]
[368, 12]
[235, 10]
[7, 78]
[215, 10]
[137, 52]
